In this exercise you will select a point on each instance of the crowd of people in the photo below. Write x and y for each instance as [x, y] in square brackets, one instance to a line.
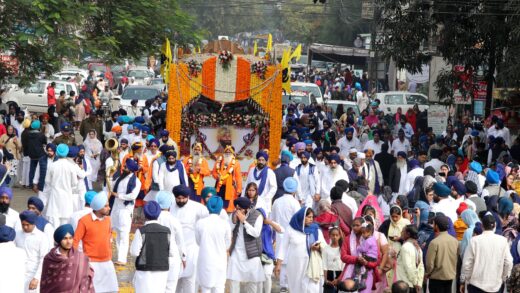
[351, 204]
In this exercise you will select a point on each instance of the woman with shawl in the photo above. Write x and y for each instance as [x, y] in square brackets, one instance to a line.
[371, 200]
[326, 219]
[392, 229]
[369, 214]
[350, 256]
[423, 205]
[93, 148]
[302, 238]
[492, 207]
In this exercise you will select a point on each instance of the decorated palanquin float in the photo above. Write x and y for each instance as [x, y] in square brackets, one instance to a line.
[222, 97]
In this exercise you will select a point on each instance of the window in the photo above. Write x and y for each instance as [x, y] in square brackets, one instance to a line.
[69, 89]
[59, 87]
[394, 99]
[412, 99]
[36, 88]
[140, 93]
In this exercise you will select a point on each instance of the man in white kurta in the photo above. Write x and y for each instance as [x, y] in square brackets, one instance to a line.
[40, 173]
[63, 180]
[35, 204]
[36, 246]
[126, 190]
[283, 210]
[242, 267]
[310, 180]
[213, 234]
[172, 173]
[12, 266]
[12, 218]
[84, 171]
[188, 212]
[415, 171]
[332, 175]
[178, 259]
[265, 179]
[348, 142]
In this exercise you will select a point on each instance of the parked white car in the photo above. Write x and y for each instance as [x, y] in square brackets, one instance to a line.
[139, 93]
[140, 75]
[390, 101]
[34, 96]
[307, 87]
[346, 104]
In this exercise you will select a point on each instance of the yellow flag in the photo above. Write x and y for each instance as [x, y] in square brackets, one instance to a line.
[255, 48]
[286, 71]
[297, 53]
[269, 43]
[166, 60]
[198, 50]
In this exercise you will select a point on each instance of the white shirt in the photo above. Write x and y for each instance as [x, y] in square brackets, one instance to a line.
[36, 246]
[332, 258]
[350, 202]
[12, 268]
[446, 206]
[269, 190]
[62, 177]
[168, 180]
[12, 219]
[214, 237]
[188, 216]
[375, 146]
[487, 262]
[310, 184]
[345, 145]
[330, 178]
[410, 178]
[400, 146]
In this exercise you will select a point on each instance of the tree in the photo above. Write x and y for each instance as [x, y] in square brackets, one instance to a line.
[471, 33]
[42, 33]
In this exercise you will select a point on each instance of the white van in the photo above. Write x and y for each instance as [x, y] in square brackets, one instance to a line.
[34, 96]
[308, 87]
[390, 101]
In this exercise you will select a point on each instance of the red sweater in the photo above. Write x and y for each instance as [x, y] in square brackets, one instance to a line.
[96, 236]
[348, 259]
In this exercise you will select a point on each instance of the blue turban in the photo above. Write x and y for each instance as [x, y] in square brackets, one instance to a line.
[505, 206]
[308, 141]
[242, 202]
[136, 125]
[307, 155]
[334, 158]
[208, 191]
[299, 146]
[99, 201]
[475, 167]
[215, 205]
[290, 185]
[413, 164]
[291, 141]
[81, 147]
[150, 137]
[131, 165]
[130, 127]
[152, 210]
[7, 191]
[349, 130]
[29, 217]
[7, 234]
[317, 150]
[181, 190]
[73, 152]
[164, 199]
[139, 119]
[262, 155]
[164, 132]
[124, 140]
[36, 202]
[492, 177]
[357, 85]
[62, 150]
[145, 128]
[89, 196]
[286, 156]
[475, 133]
[62, 231]
[35, 124]
[154, 141]
[51, 146]
[459, 187]
[401, 154]
[441, 189]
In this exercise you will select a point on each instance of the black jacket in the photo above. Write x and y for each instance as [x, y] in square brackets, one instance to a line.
[385, 161]
[394, 178]
[33, 144]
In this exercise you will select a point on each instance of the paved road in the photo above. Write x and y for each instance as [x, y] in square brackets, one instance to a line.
[124, 274]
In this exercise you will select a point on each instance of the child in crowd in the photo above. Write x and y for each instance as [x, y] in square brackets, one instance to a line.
[332, 264]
